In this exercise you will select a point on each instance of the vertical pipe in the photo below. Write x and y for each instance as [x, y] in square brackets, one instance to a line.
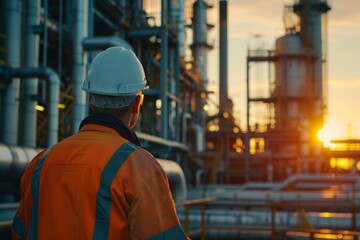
[91, 54]
[80, 21]
[223, 92]
[311, 28]
[178, 13]
[60, 38]
[164, 71]
[31, 59]
[45, 40]
[11, 94]
[45, 43]
[177, 91]
[53, 86]
[91, 18]
[200, 49]
[200, 46]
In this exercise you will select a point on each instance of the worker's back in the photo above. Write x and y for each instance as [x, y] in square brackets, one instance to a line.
[97, 185]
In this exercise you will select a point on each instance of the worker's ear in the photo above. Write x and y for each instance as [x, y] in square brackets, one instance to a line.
[135, 110]
[137, 104]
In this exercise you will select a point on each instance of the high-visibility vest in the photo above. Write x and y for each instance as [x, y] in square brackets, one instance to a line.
[96, 185]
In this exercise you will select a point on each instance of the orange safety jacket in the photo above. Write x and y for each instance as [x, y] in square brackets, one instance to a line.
[96, 185]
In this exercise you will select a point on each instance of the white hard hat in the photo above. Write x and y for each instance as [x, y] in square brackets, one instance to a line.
[115, 72]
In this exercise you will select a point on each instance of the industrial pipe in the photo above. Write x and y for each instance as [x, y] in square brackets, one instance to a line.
[176, 179]
[104, 42]
[223, 57]
[54, 90]
[13, 160]
[177, 12]
[80, 13]
[30, 60]
[200, 46]
[11, 94]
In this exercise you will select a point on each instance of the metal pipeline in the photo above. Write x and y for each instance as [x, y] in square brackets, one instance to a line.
[223, 56]
[30, 59]
[177, 12]
[80, 13]
[11, 94]
[53, 87]
[176, 179]
[200, 46]
[13, 160]
[101, 43]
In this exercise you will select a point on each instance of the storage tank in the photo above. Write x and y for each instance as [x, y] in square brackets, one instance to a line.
[293, 92]
[291, 81]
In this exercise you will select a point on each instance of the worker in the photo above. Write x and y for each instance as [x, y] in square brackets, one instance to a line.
[99, 183]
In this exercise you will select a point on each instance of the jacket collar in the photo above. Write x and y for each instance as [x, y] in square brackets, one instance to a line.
[114, 123]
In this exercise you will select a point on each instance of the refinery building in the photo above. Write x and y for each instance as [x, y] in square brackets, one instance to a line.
[268, 178]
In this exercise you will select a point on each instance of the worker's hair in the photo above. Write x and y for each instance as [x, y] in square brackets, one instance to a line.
[105, 101]
[112, 111]
[112, 105]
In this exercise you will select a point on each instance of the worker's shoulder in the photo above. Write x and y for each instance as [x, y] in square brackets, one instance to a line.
[32, 164]
[142, 158]
[141, 153]
[141, 167]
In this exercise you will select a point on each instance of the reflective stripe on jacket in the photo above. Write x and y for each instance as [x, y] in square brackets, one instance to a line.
[96, 185]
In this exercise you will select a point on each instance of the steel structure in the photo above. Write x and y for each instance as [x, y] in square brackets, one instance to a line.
[294, 99]
[40, 97]
[45, 47]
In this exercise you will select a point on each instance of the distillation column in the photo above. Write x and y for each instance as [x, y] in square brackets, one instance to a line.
[310, 13]
[200, 48]
[224, 111]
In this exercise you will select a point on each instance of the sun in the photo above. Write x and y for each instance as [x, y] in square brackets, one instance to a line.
[331, 131]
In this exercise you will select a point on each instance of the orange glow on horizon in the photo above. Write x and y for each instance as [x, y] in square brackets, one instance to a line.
[331, 131]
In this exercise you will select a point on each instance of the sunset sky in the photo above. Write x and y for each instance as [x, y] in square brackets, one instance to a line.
[265, 19]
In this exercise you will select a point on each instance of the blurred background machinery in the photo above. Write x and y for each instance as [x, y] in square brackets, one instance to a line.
[46, 46]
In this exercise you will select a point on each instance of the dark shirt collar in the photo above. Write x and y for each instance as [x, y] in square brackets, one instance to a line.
[114, 123]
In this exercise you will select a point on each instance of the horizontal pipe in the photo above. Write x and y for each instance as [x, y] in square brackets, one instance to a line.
[13, 160]
[102, 43]
[176, 179]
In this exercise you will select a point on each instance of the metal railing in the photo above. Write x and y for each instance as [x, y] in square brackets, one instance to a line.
[202, 204]
[272, 210]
